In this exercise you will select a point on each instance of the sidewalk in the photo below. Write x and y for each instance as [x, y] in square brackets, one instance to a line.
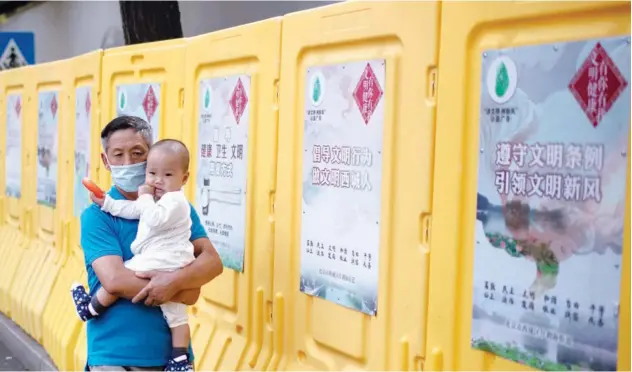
[19, 352]
[8, 361]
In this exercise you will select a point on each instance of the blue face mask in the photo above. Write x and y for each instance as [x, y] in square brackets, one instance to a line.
[128, 177]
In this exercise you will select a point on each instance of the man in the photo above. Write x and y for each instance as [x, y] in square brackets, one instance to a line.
[131, 335]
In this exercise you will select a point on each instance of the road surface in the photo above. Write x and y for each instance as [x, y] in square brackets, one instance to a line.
[8, 362]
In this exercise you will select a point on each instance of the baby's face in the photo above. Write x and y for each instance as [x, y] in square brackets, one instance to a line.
[165, 172]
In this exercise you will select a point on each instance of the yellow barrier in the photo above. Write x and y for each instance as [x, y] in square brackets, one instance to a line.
[231, 119]
[14, 101]
[359, 75]
[339, 104]
[469, 29]
[62, 324]
[140, 80]
[80, 355]
[32, 259]
[50, 118]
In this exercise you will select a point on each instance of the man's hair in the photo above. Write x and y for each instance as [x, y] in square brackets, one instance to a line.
[177, 147]
[126, 122]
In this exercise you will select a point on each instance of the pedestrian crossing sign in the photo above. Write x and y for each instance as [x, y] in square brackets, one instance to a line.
[17, 49]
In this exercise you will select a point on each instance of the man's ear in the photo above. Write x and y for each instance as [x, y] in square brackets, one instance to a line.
[105, 161]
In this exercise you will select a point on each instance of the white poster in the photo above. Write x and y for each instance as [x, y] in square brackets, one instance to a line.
[47, 134]
[553, 163]
[342, 177]
[141, 100]
[223, 121]
[13, 165]
[83, 108]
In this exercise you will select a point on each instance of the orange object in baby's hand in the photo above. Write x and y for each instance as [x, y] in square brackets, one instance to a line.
[93, 188]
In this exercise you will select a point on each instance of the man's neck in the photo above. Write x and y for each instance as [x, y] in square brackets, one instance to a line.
[128, 195]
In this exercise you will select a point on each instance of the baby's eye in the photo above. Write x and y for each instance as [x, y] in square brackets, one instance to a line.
[152, 173]
[168, 174]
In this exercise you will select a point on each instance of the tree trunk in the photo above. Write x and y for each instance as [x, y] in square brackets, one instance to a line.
[148, 21]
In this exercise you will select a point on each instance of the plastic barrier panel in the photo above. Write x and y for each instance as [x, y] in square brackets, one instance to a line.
[52, 152]
[14, 103]
[230, 129]
[140, 80]
[27, 266]
[530, 246]
[81, 350]
[354, 186]
[84, 91]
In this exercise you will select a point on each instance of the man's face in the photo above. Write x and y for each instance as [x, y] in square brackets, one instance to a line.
[125, 147]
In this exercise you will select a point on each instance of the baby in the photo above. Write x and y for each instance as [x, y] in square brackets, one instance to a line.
[162, 242]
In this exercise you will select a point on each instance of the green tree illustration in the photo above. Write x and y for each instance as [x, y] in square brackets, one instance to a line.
[316, 93]
[122, 104]
[207, 98]
[502, 80]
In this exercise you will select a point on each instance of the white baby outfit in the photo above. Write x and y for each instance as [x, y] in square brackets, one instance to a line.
[162, 242]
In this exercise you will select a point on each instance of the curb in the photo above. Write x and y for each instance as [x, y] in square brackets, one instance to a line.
[30, 353]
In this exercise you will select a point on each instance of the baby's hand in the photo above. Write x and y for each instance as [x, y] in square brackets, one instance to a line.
[98, 201]
[145, 189]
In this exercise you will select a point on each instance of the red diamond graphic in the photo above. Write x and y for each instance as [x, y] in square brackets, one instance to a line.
[88, 103]
[18, 107]
[238, 100]
[150, 103]
[53, 106]
[367, 93]
[597, 84]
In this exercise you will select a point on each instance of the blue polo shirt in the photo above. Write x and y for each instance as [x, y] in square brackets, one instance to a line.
[126, 334]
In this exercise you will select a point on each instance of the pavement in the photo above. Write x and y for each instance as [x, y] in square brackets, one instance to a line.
[20, 352]
[8, 360]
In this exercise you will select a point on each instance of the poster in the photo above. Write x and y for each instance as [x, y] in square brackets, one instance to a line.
[13, 159]
[342, 176]
[83, 108]
[141, 100]
[47, 134]
[223, 122]
[554, 130]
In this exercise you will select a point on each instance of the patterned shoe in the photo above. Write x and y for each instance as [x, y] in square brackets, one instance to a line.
[82, 302]
[179, 364]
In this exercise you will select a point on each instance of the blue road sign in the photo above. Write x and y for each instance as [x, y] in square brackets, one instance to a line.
[16, 49]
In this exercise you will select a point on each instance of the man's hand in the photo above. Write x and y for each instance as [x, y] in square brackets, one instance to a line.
[162, 287]
[98, 201]
[145, 190]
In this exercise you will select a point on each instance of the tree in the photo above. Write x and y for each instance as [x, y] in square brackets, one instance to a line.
[148, 21]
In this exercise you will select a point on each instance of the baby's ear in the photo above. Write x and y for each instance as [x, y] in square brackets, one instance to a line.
[185, 178]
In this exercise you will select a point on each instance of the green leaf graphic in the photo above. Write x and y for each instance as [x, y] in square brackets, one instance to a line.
[502, 80]
[207, 99]
[316, 93]
[122, 103]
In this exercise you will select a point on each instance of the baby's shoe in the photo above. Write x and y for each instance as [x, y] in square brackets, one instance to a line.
[82, 302]
[180, 363]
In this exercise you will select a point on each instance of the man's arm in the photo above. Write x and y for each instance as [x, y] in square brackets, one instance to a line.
[122, 282]
[206, 267]
[116, 278]
[103, 252]
[163, 286]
